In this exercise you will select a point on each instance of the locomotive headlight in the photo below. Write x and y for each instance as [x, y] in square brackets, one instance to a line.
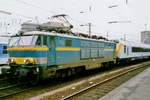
[11, 61]
[29, 61]
[26, 61]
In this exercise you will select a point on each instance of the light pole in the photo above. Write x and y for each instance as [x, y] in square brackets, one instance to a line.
[145, 27]
[126, 1]
[113, 6]
[89, 28]
[88, 24]
[113, 22]
[7, 25]
[6, 13]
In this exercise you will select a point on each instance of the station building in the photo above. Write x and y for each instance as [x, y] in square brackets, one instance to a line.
[145, 37]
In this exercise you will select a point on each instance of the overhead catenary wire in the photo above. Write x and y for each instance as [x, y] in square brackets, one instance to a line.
[11, 22]
[14, 13]
[50, 12]
[35, 6]
[5, 12]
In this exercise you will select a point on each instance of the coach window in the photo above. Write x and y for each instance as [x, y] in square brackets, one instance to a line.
[125, 49]
[4, 49]
[68, 43]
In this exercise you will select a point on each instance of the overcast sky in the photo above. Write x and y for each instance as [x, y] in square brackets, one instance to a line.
[136, 12]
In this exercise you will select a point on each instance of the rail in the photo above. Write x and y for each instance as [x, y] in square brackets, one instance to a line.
[102, 82]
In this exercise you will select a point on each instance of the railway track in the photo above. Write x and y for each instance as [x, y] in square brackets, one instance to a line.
[11, 87]
[3, 79]
[99, 89]
[11, 91]
[64, 91]
[4, 82]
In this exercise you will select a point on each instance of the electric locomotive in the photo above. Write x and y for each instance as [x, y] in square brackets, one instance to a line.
[57, 52]
[38, 55]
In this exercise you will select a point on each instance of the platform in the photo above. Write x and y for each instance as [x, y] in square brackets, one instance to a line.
[137, 88]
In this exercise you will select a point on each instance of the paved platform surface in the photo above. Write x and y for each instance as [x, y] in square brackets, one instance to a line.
[137, 88]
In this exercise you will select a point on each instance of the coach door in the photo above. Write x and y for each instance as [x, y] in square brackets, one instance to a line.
[51, 52]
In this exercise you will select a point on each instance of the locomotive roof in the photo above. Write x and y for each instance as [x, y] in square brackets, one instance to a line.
[62, 35]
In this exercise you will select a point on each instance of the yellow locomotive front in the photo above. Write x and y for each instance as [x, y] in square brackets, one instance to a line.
[27, 55]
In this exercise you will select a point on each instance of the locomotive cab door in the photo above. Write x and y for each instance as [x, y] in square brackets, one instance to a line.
[51, 52]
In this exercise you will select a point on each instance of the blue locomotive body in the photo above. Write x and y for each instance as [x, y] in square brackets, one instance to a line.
[52, 54]
[71, 50]
[67, 50]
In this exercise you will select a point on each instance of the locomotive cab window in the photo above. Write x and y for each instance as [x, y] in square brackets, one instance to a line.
[25, 40]
[39, 41]
[42, 40]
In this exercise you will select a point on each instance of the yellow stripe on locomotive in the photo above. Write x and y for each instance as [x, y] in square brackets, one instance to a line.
[27, 49]
[67, 49]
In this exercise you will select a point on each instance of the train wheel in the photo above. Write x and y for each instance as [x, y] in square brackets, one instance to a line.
[102, 66]
[69, 72]
[63, 74]
[107, 65]
[58, 74]
[73, 71]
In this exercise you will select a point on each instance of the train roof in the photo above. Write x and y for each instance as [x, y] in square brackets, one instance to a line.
[63, 35]
[135, 44]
